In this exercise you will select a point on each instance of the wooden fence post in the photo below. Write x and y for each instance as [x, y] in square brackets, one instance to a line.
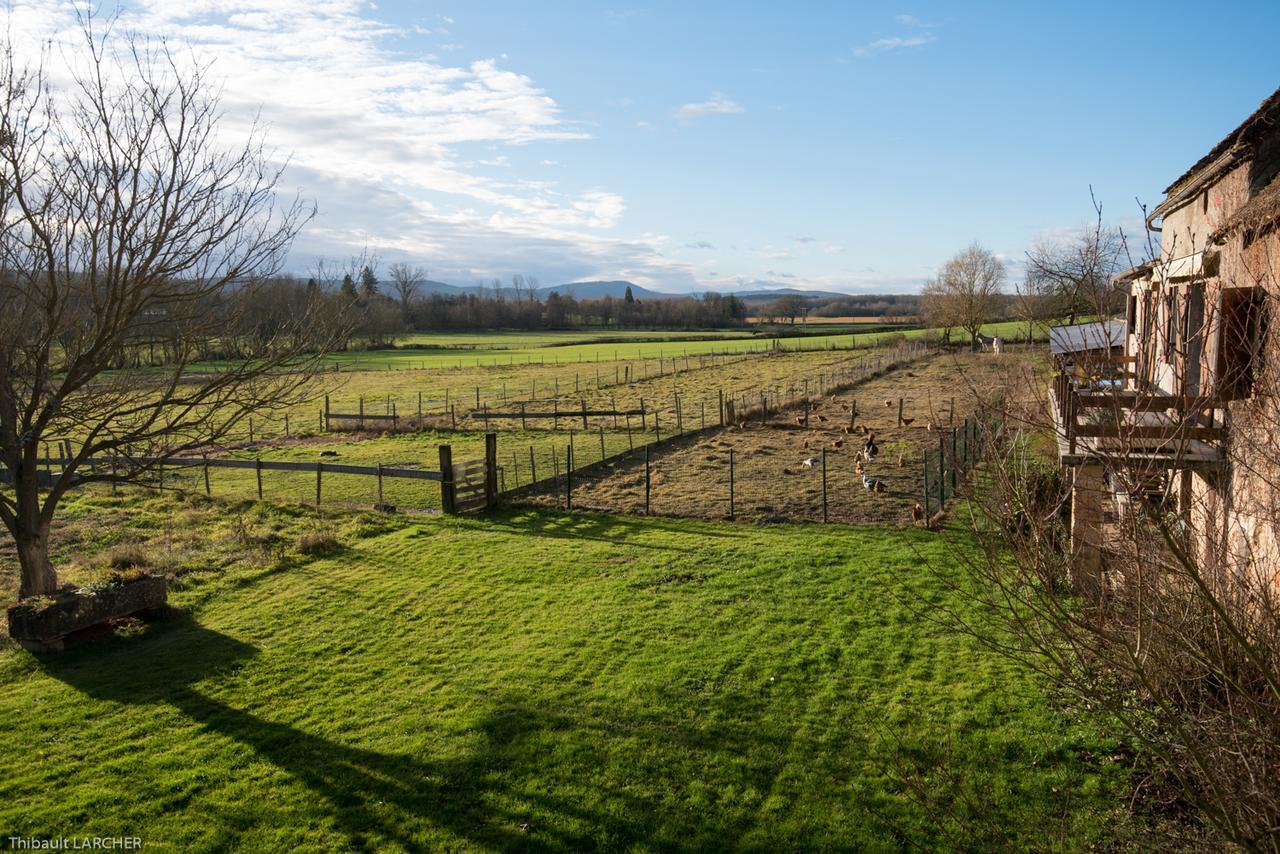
[448, 489]
[568, 476]
[954, 461]
[379, 475]
[824, 485]
[647, 481]
[257, 466]
[601, 443]
[731, 509]
[490, 470]
[207, 490]
[899, 412]
[925, 458]
[533, 467]
[319, 470]
[942, 471]
[326, 413]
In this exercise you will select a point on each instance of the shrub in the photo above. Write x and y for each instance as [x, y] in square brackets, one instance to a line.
[126, 557]
[318, 543]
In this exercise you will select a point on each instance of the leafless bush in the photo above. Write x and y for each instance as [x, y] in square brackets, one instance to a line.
[318, 543]
[1171, 632]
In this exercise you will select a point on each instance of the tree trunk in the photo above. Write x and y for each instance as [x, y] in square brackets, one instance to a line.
[31, 535]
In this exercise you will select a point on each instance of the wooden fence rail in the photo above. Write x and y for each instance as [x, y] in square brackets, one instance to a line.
[463, 487]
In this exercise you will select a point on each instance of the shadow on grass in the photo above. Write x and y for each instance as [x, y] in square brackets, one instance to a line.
[374, 799]
[603, 527]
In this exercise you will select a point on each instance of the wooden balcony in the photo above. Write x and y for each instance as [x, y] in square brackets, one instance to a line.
[1100, 421]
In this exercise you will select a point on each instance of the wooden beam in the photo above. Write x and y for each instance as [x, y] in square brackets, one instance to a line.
[1143, 431]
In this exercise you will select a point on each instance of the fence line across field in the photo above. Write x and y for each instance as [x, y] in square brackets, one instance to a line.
[723, 407]
[463, 487]
[480, 484]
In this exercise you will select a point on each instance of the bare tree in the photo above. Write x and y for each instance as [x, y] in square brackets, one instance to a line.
[936, 309]
[1035, 301]
[1075, 277]
[126, 220]
[406, 281]
[789, 307]
[971, 283]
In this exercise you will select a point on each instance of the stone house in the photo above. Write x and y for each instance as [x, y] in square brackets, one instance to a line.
[1195, 420]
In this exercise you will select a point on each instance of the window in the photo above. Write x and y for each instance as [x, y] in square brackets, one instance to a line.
[1241, 342]
[1193, 338]
[1133, 313]
[1170, 325]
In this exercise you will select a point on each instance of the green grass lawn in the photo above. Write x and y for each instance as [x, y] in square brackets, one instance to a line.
[537, 681]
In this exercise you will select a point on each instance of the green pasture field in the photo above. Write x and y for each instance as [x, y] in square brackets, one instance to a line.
[523, 339]
[502, 387]
[513, 349]
[547, 448]
[538, 681]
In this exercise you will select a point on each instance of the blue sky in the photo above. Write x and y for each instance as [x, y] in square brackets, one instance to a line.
[840, 146]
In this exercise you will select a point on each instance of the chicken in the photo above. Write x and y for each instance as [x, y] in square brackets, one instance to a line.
[906, 422]
[870, 484]
[838, 443]
[800, 419]
[888, 404]
[917, 513]
[929, 426]
[786, 471]
[822, 418]
[810, 463]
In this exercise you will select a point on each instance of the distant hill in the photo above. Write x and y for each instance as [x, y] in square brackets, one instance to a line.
[599, 290]
[430, 287]
[616, 289]
[777, 293]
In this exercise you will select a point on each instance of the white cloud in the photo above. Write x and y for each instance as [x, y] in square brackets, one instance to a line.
[717, 104]
[406, 154]
[351, 108]
[894, 43]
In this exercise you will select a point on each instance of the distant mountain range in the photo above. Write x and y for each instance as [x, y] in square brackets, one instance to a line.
[599, 290]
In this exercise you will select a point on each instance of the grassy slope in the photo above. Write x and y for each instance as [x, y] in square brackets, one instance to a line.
[534, 680]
